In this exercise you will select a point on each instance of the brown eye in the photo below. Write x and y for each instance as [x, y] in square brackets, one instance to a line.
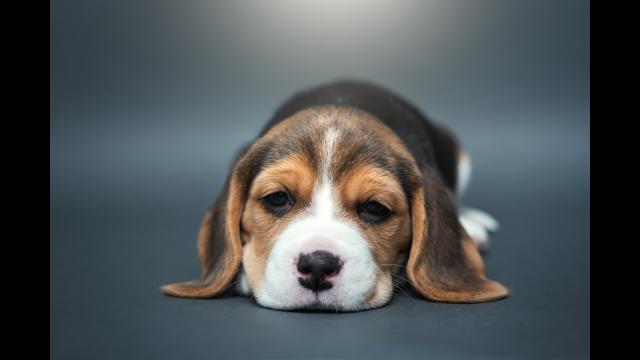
[278, 203]
[373, 211]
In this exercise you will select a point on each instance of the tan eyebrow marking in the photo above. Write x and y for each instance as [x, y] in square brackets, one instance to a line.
[294, 172]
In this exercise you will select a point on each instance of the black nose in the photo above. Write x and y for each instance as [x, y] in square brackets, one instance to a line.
[316, 267]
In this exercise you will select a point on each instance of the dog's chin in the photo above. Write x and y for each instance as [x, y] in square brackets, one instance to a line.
[326, 304]
[320, 307]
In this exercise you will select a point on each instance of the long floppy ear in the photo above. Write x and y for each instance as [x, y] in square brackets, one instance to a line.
[444, 264]
[219, 243]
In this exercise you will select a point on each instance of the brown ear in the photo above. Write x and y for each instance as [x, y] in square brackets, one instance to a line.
[219, 244]
[443, 264]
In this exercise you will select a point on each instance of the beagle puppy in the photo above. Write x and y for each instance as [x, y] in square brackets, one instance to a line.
[347, 192]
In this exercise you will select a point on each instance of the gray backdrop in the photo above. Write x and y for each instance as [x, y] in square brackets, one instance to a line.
[150, 99]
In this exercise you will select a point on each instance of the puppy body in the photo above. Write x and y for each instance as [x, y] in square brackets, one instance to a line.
[350, 170]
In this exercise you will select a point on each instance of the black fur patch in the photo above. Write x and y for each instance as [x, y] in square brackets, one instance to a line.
[428, 143]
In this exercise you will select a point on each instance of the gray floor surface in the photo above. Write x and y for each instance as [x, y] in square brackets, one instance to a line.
[114, 245]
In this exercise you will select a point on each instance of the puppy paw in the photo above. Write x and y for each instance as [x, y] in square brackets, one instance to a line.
[478, 225]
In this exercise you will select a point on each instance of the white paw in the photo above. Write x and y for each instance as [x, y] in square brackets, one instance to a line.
[242, 285]
[478, 224]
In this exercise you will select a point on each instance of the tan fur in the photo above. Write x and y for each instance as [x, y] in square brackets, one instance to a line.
[294, 174]
[471, 251]
[380, 295]
[391, 236]
[418, 272]
[260, 226]
[217, 281]
[203, 241]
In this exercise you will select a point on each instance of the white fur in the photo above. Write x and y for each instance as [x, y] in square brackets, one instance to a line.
[319, 228]
[477, 223]
[243, 284]
[464, 173]
[480, 217]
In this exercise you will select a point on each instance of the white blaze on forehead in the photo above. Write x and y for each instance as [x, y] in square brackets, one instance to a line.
[330, 136]
[324, 204]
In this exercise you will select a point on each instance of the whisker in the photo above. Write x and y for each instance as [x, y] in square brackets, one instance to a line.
[399, 288]
[401, 277]
[393, 265]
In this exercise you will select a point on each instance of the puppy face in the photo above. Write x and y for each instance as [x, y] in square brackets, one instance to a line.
[314, 240]
[323, 211]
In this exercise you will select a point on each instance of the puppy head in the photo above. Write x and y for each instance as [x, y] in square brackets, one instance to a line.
[325, 211]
